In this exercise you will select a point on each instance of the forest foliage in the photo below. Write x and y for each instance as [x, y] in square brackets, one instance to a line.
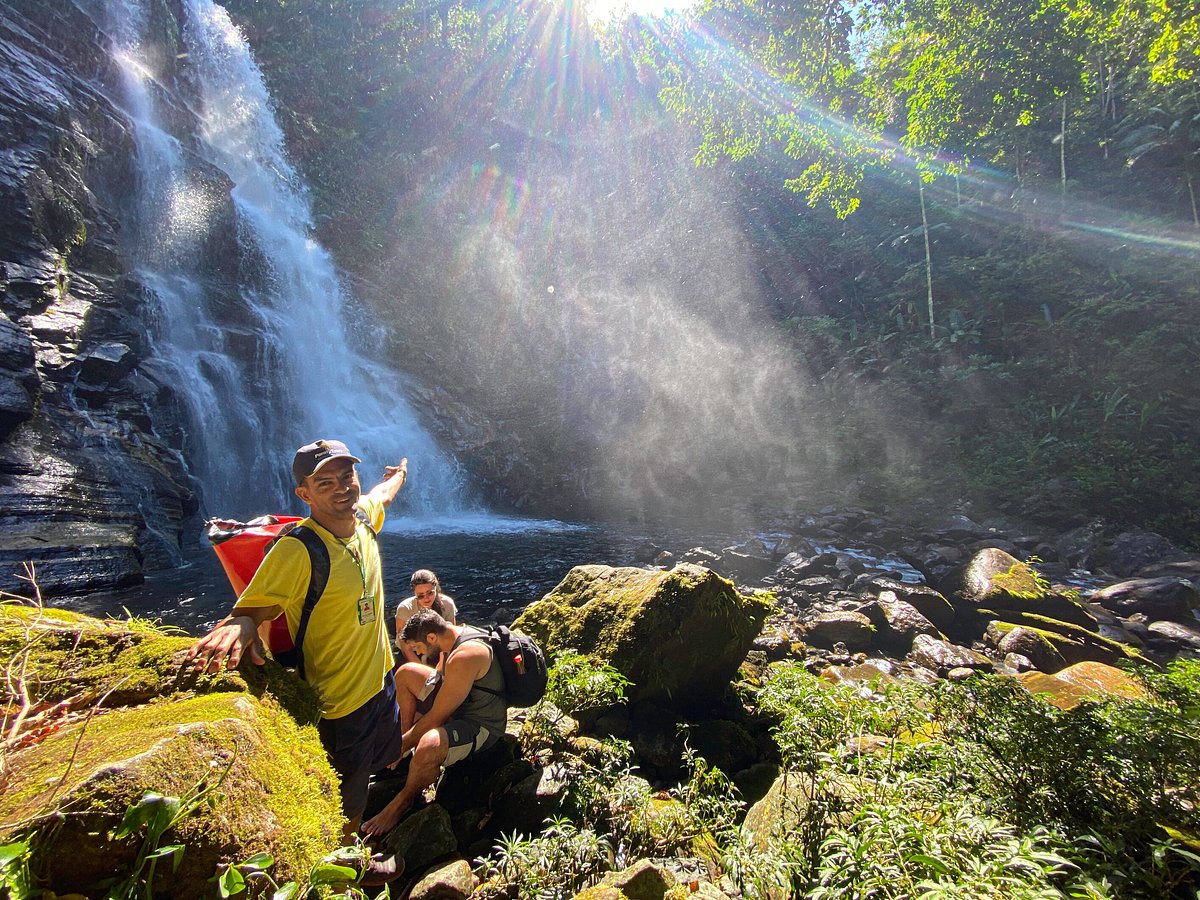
[974, 221]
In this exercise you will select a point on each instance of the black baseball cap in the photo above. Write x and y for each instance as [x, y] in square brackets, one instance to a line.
[311, 457]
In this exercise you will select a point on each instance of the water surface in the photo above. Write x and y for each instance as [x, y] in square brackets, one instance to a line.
[493, 567]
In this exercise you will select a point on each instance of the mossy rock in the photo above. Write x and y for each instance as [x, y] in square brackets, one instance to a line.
[679, 636]
[79, 659]
[644, 880]
[270, 789]
[1073, 643]
[998, 580]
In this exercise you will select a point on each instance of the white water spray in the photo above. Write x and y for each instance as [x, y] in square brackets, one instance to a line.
[302, 379]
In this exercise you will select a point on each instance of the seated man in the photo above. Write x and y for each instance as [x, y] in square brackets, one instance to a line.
[427, 594]
[448, 712]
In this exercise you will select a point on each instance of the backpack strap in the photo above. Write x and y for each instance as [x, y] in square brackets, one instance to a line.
[318, 559]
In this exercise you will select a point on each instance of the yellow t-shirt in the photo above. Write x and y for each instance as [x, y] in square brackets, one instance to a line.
[347, 653]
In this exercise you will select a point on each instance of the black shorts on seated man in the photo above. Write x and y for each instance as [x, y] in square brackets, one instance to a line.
[347, 650]
[448, 712]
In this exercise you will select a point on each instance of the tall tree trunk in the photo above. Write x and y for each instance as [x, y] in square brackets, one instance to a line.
[928, 257]
[1062, 147]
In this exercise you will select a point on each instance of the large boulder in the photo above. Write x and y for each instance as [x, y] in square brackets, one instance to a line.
[108, 722]
[1073, 643]
[1082, 681]
[1167, 597]
[679, 636]
[995, 580]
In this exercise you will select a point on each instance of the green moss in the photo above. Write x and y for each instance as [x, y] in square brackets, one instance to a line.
[670, 633]
[279, 793]
[67, 656]
[1076, 644]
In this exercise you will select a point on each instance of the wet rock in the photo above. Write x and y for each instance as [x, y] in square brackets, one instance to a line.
[941, 656]
[928, 602]
[18, 378]
[1027, 643]
[1159, 598]
[897, 623]
[1185, 635]
[852, 629]
[744, 568]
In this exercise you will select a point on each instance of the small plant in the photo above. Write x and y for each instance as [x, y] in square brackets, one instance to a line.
[579, 683]
[152, 817]
[15, 877]
[340, 869]
[561, 862]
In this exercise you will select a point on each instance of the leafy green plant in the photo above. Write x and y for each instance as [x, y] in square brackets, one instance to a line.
[579, 683]
[152, 817]
[340, 869]
[559, 863]
[15, 877]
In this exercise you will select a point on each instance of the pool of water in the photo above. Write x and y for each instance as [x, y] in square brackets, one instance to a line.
[493, 567]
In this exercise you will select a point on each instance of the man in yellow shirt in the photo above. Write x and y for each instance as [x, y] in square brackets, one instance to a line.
[346, 649]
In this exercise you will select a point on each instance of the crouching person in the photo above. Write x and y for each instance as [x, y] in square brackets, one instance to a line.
[447, 712]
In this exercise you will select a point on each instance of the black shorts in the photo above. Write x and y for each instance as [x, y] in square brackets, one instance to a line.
[362, 743]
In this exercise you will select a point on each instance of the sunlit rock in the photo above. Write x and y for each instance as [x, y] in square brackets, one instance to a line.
[897, 623]
[1177, 632]
[996, 580]
[271, 786]
[1074, 643]
[445, 882]
[1071, 686]
[942, 656]
[1029, 643]
[1166, 597]
[679, 636]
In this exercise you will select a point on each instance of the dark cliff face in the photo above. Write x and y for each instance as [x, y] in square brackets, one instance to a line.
[93, 485]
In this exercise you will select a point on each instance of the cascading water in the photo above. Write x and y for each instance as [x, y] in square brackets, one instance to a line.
[303, 379]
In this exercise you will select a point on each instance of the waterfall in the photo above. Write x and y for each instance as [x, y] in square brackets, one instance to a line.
[289, 372]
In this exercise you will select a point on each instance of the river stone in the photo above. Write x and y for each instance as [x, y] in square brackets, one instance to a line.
[679, 636]
[853, 629]
[1133, 550]
[928, 602]
[450, 881]
[1026, 642]
[1182, 634]
[1071, 686]
[997, 580]
[941, 656]
[897, 623]
[1159, 598]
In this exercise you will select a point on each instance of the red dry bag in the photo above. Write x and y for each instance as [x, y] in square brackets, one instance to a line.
[241, 546]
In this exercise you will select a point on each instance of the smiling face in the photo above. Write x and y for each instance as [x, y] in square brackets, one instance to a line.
[331, 493]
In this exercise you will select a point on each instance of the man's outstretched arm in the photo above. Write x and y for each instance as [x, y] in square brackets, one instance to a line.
[394, 478]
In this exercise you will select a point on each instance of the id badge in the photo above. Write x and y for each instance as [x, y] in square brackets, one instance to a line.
[366, 610]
